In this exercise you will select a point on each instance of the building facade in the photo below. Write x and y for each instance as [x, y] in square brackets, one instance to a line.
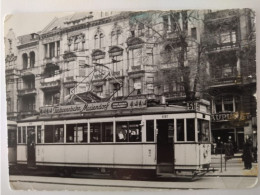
[105, 56]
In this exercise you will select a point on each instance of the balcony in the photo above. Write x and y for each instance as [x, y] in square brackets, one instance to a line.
[174, 94]
[235, 80]
[11, 71]
[168, 65]
[98, 77]
[51, 83]
[221, 14]
[51, 60]
[28, 91]
[215, 47]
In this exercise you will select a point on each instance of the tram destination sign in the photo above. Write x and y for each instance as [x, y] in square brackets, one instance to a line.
[90, 107]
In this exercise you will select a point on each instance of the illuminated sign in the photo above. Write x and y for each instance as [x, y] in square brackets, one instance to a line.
[89, 107]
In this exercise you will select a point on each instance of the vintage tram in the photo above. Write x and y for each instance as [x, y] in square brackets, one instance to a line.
[12, 141]
[124, 136]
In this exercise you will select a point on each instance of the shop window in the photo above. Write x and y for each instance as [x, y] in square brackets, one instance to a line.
[39, 134]
[19, 140]
[180, 129]
[128, 131]
[190, 130]
[24, 135]
[150, 130]
[54, 134]
[203, 130]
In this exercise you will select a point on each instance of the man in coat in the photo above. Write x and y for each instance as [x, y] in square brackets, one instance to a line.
[247, 154]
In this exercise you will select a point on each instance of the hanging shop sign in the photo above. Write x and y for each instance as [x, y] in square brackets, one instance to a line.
[90, 107]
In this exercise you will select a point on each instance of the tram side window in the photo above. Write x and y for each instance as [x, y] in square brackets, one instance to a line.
[150, 130]
[82, 133]
[19, 135]
[53, 133]
[180, 129]
[203, 130]
[128, 131]
[101, 132]
[58, 133]
[121, 131]
[190, 130]
[39, 134]
[24, 135]
[107, 132]
[95, 132]
[77, 133]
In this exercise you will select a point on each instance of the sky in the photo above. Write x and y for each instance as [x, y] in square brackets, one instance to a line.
[28, 23]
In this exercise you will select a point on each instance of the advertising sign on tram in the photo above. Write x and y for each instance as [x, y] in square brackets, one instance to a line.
[100, 106]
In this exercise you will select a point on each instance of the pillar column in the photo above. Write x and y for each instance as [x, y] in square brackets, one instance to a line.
[48, 50]
[169, 22]
[55, 48]
[238, 64]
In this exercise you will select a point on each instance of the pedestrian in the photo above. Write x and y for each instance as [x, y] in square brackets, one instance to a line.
[229, 149]
[247, 154]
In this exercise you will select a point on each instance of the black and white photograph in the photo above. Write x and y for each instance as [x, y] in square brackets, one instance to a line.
[131, 100]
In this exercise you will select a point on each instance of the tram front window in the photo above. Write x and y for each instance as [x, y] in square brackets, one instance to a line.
[203, 130]
[180, 129]
[190, 130]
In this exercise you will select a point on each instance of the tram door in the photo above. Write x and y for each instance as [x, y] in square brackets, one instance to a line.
[31, 146]
[165, 147]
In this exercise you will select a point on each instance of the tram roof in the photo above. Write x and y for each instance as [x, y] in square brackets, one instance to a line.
[171, 109]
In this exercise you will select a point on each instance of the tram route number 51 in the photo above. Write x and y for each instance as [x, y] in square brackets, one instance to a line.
[193, 106]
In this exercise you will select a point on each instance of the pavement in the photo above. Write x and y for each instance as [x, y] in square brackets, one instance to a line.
[234, 167]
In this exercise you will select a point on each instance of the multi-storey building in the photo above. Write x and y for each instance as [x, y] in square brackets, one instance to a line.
[103, 56]
[231, 55]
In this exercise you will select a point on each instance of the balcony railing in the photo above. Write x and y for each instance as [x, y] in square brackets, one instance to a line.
[136, 68]
[51, 82]
[221, 46]
[98, 77]
[220, 14]
[227, 80]
[168, 65]
[174, 94]
[28, 91]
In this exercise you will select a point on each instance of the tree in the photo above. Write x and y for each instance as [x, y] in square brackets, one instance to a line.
[183, 54]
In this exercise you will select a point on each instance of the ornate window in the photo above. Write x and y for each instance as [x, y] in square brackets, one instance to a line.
[32, 59]
[25, 60]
